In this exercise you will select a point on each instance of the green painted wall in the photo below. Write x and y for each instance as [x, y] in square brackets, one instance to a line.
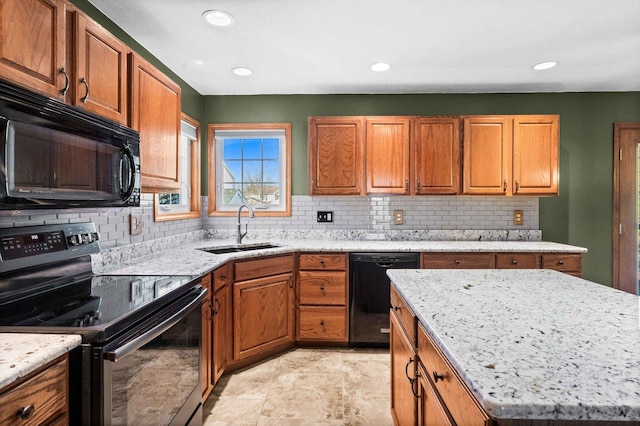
[581, 215]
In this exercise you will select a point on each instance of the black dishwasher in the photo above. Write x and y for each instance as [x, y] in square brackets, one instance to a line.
[369, 295]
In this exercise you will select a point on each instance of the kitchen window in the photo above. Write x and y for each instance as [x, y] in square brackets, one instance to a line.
[250, 163]
[184, 204]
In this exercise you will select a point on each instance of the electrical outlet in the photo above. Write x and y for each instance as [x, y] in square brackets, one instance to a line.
[135, 224]
[518, 217]
[398, 217]
[325, 216]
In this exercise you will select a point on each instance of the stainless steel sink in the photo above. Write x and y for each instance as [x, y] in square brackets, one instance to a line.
[240, 248]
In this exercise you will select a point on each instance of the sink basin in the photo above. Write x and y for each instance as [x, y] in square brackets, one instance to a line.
[235, 249]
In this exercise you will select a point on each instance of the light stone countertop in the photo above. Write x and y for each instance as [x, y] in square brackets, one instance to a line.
[188, 259]
[22, 353]
[533, 344]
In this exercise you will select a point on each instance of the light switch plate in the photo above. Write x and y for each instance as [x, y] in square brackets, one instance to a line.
[518, 217]
[135, 224]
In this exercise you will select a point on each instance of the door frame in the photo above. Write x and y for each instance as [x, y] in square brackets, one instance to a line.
[625, 199]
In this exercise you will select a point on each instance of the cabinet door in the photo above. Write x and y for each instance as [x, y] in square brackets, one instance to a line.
[336, 155]
[32, 44]
[100, 78]
[403, 362]
[535, 154]
[155, 113]
[207, 349]
[436, 155]
[222, 341]
[431, 412]
[487, 155]
[263, 315]
[387, 155]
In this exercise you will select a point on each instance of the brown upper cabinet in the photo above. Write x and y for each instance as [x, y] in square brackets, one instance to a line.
[436, 155]
[511, 155]
[32, 45]
[387, 154]
[336, 146]
[155, 111]
[98, 62]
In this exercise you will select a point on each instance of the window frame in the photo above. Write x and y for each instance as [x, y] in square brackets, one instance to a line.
[211, 178]
[194, 163]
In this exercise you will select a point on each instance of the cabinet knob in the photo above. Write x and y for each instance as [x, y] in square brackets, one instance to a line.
[322, 261]
[514, 261]
[457, 261]
[560, 262]
[321, 288]
[26, 412]
[437, 377]
[321, 322]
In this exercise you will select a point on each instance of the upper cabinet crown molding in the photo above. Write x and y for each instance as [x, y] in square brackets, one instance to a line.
[32, 45]
[155, 111]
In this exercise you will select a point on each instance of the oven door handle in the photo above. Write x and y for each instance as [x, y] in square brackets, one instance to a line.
[123, 350]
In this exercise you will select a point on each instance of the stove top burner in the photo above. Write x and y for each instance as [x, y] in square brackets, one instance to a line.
[80, 313]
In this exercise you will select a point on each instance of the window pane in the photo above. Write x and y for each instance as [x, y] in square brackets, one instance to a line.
[252, 172]
[271, 171]
[252, 149]
[271, 148]
[232, 149]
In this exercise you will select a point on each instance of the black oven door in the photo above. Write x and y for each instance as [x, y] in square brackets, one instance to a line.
[152, 376]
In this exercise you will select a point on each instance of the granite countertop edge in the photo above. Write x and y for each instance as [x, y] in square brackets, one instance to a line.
[23, 353]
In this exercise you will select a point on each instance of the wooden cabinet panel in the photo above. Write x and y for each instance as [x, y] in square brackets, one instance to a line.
[256, 268]
[155, 113]
[263, 314]
[459, 402]
[431, 412]
[46, 391]
[100, 77]
[387, 154]
[323, 262]
[535, 154]
[405, 316]
[436, 155]
[222, 339]
[32, 44]
[336, 155]
[487, 155]
[457, 260]
[516, 261]
[563, 262]
[403, 362]
[221, 277]
[322, 288]
[323, 323]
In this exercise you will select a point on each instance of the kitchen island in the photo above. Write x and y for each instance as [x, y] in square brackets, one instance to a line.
[532, 345]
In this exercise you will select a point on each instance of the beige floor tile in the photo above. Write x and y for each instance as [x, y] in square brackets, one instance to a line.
[232, 411]
[252, 382]
[370, 411]
[310, 360]
[366, 378]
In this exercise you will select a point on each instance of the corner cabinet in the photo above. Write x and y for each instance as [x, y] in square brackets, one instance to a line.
[263, 306]
[511, 155]
[387, 155]
[32, 45]
[336, 146]
[155, 112]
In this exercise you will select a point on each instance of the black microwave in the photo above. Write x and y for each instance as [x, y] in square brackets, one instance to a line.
[54, 155]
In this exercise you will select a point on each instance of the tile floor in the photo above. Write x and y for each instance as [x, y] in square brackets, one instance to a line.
[306, 387]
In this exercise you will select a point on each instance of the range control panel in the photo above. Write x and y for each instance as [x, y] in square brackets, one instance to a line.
[47, 243]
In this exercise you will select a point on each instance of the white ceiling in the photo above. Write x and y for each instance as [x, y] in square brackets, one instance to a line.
[434, 46]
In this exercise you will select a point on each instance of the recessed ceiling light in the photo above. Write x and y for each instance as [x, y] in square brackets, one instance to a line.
[242, 71]
[380, 66]
[544, 65]
[199, 62]
[218, 18]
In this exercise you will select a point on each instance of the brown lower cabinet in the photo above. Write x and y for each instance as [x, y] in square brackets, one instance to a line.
[207, 340]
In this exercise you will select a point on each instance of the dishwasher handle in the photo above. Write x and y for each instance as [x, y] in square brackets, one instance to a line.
[384, 265]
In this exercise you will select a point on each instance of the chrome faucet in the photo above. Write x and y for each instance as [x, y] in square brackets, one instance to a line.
[240, 234]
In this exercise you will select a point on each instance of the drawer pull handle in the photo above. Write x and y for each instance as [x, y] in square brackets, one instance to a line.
[322, 288]
[86, 95]
[514, 261]
[437, 377]
[412, 380]
[504, 186]
[64, 90]
[216, 306]
[321, 322]
[224, 277]
[26, 412]
[396, 308]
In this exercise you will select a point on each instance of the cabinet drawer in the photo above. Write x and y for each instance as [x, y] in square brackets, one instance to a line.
[459, 402]
[323, 262]
[405, 315]
[516, 261]
[264, 267]
[457, 260]
[323, 288]
[46, 391]
[562, 262]
[322, 323]
[220, 277]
